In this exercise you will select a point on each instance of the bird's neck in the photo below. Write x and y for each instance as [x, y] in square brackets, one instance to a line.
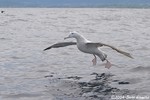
[80, 38]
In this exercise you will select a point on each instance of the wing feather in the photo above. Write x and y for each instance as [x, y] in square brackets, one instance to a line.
[61, 44]
[114, 48]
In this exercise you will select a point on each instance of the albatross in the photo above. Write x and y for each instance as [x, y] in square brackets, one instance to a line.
[89, 47]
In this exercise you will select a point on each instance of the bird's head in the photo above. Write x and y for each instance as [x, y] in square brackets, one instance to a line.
[72, 35]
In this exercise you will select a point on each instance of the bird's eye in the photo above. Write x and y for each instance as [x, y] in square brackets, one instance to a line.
[71, 33]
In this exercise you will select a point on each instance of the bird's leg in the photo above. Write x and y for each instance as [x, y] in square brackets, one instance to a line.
[94, 60]
[108, 64]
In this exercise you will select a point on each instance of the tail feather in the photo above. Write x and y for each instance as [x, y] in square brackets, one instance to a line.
[102, 56]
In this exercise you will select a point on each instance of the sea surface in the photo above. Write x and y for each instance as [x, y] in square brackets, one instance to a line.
[76, 3]
[25, 32]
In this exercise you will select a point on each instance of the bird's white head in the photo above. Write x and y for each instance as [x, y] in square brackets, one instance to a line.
[72, 35]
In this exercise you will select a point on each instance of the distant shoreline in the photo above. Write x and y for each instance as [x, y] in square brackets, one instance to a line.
[132, 7]
[75, 4]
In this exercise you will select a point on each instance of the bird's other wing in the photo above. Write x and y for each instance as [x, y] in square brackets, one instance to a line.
[91, 44]
[114, 48]
[61, 44]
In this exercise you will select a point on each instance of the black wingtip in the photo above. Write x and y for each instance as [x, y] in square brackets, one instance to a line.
[47, 48]
[44, 50]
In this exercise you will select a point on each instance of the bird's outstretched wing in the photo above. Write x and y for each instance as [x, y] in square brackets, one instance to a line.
[114, 48]
[61, 44]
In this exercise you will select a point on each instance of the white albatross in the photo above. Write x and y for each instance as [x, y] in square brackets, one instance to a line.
[89, 47]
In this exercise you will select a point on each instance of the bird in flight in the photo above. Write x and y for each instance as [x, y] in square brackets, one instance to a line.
[89, 47]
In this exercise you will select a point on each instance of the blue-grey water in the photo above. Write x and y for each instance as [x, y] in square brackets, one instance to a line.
[25, 32]
[77, 3]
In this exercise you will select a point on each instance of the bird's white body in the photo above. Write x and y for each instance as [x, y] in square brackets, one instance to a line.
[82, 46]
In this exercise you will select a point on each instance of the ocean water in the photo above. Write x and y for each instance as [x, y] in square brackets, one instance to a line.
[77, 3]
[25, 32]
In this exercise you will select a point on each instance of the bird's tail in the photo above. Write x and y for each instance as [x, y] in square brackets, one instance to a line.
[102, 55]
